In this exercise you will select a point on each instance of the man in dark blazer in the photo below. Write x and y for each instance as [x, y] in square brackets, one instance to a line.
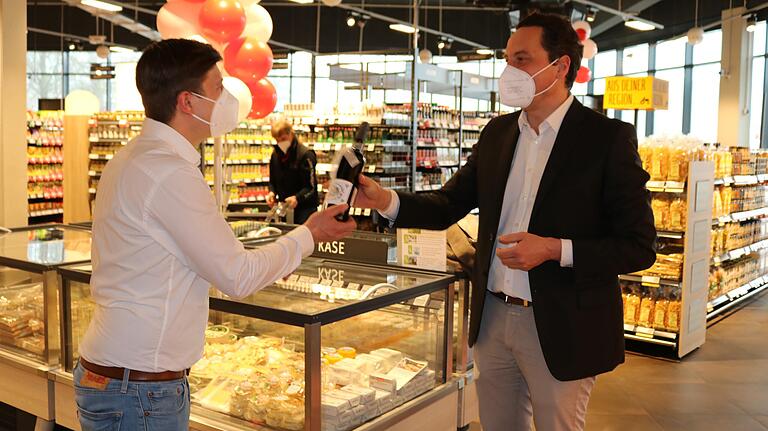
[563, 211]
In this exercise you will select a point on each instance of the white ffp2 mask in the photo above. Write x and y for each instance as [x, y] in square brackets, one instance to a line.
[224, 115]
[284, 146]
[517, 88]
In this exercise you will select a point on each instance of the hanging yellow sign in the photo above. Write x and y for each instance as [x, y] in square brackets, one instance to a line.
[644, 93]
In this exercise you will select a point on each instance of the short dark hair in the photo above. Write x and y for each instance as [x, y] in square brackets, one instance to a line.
[168, 67]
[558, 38]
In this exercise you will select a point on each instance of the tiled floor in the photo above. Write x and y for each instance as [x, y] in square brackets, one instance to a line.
[723, 386]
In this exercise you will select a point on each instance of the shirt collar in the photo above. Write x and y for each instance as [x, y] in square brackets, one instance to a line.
[555, 119]
[167, 134]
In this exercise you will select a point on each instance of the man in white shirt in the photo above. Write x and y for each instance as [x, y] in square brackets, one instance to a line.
[159, 242]
[563, 211]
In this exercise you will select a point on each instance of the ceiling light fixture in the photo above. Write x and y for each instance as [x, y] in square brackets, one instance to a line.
[639, 25]
[751, 23]
[402, 28]
[115, 48]
[351, 19]
[303, 1]
[484, 51]
[591, 14]
[103, 5]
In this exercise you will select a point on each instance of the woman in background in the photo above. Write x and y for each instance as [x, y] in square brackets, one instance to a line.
[292, 177]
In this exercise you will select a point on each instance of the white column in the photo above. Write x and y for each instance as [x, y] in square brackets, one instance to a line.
[13, 101]
[735, 80]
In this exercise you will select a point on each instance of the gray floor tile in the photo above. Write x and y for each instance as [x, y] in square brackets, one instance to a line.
[598, 422]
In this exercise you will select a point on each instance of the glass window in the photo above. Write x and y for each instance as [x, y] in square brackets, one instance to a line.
[605, 64]
[301, 63]
[670, 121]
[125, 95]
[44, 62]
[322, 63]
[80, 61]
[758, 47]
[704, 101]
[301, 90]
[43, 87]
[635, 59]
[756, 110]
[710, 49]
[599, 87]
[283, 89]
[95, 86]
[629, 117]
[325, 94]
[670, 54]
[579, 89]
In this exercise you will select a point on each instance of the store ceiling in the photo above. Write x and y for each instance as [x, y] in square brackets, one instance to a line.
[296, 24]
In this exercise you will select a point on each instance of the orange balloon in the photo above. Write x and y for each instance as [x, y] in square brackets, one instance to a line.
[222, 20]
[248, 59]
[264, 98]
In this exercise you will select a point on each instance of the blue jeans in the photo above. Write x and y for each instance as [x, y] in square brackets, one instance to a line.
[127, 406]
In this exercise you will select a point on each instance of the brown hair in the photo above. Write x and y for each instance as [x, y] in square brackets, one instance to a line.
[558, 38]
[167, 68]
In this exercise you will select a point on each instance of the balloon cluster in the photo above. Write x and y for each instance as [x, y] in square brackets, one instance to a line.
[239, 30]
[584, 30]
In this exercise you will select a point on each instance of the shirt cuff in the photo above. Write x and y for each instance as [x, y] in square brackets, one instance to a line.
[303, 237]
[394, 207]
[566, 253]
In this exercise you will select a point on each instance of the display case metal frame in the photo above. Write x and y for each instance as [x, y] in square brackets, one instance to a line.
[35, 396]
[312, 324]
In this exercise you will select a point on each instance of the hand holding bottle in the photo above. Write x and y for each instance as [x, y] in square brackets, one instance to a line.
[325, 227]
[372, 195]
[271, 199]
[292, 202]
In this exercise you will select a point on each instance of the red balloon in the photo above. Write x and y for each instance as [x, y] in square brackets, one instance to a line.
[248, 59]
[264, 98]
[581, 33]
[583, 75]
[222, 20]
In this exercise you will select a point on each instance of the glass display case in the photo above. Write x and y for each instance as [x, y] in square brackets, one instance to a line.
[29, 321]
[332, 346]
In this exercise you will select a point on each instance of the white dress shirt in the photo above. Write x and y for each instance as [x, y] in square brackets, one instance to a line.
[530, 160]
[159, 242]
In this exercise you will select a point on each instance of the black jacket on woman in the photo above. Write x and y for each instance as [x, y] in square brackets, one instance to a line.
[293, 174]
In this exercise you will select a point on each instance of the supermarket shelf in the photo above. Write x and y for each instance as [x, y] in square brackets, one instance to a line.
[100, 156]
[94, 173]
[653, 338]
[735, 297]
[650, 280]
[121, 141]
[323, 168]
[740, 252]
[241, 162]
[741, 216]
[666, 186]
[98, 122]
[263, 180]
[37, 143]
[670, 234]
[38, 179]
[246, 200]
[41, 196]
[46, 213]
[242, 142]
[35, 161]
[429, 188]
[430, 146]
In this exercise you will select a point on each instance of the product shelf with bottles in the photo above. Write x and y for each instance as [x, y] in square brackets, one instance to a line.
[45, 192]
[666, 304]
[108, 133]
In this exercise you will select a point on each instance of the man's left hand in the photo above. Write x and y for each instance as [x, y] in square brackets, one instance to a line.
[292, 202]
[527, 251]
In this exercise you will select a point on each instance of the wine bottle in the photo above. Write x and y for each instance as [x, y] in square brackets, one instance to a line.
[343, 185]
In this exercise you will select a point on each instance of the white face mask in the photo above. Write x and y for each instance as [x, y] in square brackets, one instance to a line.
[284, 145]
[224, 115]
[517, 88]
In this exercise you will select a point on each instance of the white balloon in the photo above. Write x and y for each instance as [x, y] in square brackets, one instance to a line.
[247, 3]
[242, 93]
[590, 49]
[178, 20]
[81, 102]
[258, 23]
[695, 35]
[583, 25]
[332, 3]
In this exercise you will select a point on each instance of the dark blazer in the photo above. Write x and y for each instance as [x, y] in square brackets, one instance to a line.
[293, 174]
[593, 193]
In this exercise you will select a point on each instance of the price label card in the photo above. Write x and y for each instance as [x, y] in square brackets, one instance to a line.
[337, 147]
[629, 328]
[371, 169]
[421, 301]
[644, 332]
[371, 147]
[650, 280]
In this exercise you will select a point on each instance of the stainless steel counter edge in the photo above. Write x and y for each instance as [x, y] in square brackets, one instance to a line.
[25, 364]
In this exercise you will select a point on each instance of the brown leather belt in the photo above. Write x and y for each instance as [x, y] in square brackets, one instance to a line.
[136, 376]
[511, 299]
